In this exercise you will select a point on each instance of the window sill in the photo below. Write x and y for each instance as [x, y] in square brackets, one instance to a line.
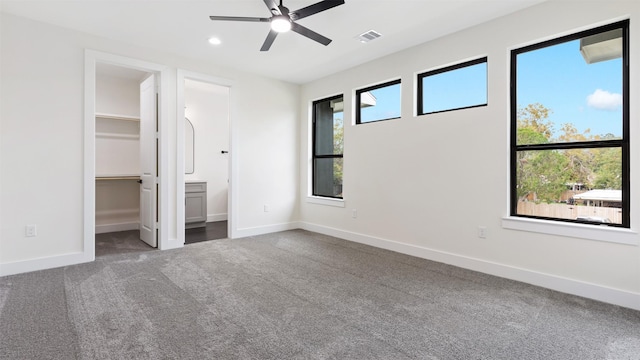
[582, 231]
[325, 201]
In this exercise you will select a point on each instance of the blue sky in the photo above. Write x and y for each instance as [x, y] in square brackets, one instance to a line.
[587, 95]
[387, 104]
[455, 89]
[441, 92]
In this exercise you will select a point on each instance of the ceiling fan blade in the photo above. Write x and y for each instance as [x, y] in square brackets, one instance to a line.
[273, 7]
[310, 34]
[238, 18]
[269, 40]
[314, 9]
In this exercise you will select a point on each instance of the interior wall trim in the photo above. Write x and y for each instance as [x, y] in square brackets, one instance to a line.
[217, 217]
[50, 262]
[570, 286]
[166, 215]
[125, 226]
[267, 229]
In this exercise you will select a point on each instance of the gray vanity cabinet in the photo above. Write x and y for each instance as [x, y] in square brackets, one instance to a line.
[195, 206]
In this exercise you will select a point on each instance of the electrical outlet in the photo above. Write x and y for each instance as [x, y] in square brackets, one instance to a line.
[31, 231]
[482, 232]
[266, 208]
[354, 213]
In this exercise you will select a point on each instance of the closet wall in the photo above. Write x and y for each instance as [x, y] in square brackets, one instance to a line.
[117, 149]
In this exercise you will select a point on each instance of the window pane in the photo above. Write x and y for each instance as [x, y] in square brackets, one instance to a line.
[327, 177]
[571, 184]
[571, 91]
[461, 87]
[328, 131]
[328, 146]
[570, 121]
[380, 104]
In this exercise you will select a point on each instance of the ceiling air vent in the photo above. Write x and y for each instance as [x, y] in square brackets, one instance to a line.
[365, 37]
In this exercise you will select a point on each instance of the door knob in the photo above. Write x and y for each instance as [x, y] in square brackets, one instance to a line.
[224, 152]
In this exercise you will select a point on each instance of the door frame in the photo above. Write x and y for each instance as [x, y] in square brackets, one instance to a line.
[161, 72]
[183, 75]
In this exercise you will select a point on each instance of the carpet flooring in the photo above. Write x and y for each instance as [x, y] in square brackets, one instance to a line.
[120, 242]
[297, 295]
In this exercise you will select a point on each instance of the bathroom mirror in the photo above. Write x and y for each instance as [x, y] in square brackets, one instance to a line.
[189, 143]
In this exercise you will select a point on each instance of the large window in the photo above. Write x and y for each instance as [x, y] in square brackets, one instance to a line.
[569, 128]
[455, 87]
[379, 102]
[328, 146]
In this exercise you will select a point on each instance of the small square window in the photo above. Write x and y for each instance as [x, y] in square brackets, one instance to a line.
[455, 87]
[379, 102]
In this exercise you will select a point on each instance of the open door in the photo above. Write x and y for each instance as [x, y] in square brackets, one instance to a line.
[148, 164]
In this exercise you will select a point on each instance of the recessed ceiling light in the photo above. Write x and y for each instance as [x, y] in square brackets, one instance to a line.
[214, 41]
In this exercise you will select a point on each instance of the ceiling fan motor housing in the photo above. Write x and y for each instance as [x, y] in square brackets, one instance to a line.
[282, 20]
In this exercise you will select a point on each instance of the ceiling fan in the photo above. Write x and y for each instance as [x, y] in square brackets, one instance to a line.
[283, 20]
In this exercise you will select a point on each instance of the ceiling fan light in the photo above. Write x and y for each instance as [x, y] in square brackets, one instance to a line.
[280, 23]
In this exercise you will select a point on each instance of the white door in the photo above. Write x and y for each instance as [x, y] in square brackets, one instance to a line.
[148, 164]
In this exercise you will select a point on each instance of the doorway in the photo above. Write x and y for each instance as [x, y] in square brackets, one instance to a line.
[160, 74]
[206, 160]
[125, 106]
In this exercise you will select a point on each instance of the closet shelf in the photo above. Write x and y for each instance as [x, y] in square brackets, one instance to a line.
[117, 177]
[117, 117]
[107, 135]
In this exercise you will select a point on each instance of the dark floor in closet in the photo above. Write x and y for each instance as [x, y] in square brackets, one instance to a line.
[120, 242]
[129, 241]
[213, 231]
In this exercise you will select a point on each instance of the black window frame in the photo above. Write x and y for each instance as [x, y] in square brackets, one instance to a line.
[623, 143]
[313, 145]
[375, 87]
[421, 76]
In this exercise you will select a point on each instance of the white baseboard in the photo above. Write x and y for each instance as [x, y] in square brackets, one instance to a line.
[268, 229]
[553, 282]
[44, 263]
[216, 217]
[565, 285]
[107, 228]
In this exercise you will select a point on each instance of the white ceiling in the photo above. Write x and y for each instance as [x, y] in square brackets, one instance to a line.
[183, 27]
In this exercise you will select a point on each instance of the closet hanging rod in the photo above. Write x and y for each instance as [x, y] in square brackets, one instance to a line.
[103, 178]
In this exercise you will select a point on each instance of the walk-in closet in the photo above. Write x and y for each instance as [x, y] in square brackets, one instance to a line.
[117, 152]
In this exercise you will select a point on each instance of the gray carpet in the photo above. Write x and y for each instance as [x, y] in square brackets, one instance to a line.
[120, 242]
[297, 295]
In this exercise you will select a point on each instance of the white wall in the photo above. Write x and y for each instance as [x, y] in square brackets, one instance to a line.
[265, 163]
[41, 168]
[423, 185]
[207, 107]
[117, 95]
